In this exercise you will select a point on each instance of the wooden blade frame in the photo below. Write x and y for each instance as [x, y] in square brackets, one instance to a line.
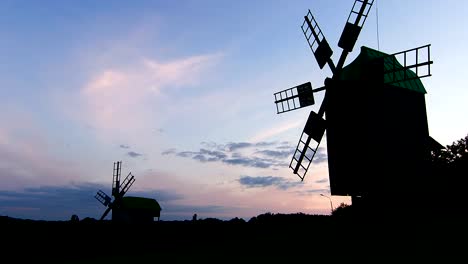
[294, 98]
[304, 154]
[356, 19]
[103, 198]
[417, 59]
[317, 41]
[116, 178]
[127, 183]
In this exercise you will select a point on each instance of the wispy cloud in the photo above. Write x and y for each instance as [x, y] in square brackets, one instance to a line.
[169, 151]
[314, 192]
[324, 180]
[263, 154]
[277, 153]
[266, 181]
[276, 130]
[180, 72]
[125, 94]
[232, 146]
[208, 155]
[124, 146]
[26, 155]
[254, 162]
[230, 154]
[320, 156]
[134, 154]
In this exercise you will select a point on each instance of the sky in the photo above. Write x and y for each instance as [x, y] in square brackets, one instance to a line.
[182, 93]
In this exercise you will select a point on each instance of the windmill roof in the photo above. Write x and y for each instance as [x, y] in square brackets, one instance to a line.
[140, 203]
[355, 70]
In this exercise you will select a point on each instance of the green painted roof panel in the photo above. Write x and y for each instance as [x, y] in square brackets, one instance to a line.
[354, 70]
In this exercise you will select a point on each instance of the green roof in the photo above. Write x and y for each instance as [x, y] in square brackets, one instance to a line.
[355, 70]
[140, 203]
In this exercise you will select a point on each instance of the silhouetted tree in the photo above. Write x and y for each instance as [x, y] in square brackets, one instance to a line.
[455, 154]
[253, 219]
[265, 218]
[88, 220]
[449, 170]
[74, 218]
[211, 220]
[342, 210]
[237, 220]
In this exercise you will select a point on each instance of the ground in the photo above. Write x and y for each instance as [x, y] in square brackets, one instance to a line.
[272, 239]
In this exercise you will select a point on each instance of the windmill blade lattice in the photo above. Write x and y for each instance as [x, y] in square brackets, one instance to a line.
[305, 152]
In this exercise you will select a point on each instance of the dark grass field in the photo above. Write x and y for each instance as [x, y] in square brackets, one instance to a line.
[285, 239]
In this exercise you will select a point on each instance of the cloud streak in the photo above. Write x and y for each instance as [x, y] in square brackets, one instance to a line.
[267, 181]
[116, 95]
[277, 153]
[134, 154]
[320, 156]
[325, 180]
[271, 132]
[29, 159]
[236, 154]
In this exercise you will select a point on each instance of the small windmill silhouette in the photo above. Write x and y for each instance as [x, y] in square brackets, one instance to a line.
[119, 189]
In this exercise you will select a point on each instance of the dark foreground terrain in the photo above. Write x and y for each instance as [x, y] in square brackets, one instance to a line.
[266, 238]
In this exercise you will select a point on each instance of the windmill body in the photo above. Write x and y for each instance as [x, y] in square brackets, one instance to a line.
[373, 114]
[137, 209]
[377, 133]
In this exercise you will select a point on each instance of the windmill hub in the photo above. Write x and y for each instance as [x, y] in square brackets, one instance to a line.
[328, 82]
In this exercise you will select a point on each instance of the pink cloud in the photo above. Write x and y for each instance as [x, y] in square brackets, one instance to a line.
[186, 71]
[27, 155]
[118, 101]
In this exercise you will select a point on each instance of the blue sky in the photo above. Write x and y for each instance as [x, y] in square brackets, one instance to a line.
[182, 93]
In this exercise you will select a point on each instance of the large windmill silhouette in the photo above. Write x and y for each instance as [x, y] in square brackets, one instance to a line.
[375, 115]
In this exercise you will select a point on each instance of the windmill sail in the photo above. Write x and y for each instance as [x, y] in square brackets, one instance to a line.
[116, 178]
[317, 41]
[294, 98]
[354, 24]
[416, 64]
[127, 183]
[308, 144]
[103, 198]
